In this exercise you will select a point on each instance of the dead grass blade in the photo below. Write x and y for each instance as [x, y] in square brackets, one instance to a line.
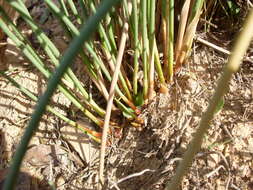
[110, 102]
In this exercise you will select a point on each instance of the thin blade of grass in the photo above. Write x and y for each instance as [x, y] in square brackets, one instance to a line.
[136, 46]
[170, 41]
[42, 38]
[97, 60]
[110, 101]
[170, 36]
[63, 7]
[165, 46]
[20, 7]
[74, 11]
[37, 62]
[110, 28]
[94, 135]
[163, 87]
[145, 48]
[151, 71]
[86, 32]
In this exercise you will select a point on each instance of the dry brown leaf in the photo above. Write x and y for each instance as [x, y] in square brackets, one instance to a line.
[81, 143]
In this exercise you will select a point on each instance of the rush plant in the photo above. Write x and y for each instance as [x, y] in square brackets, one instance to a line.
[127, 66]
[141, 76]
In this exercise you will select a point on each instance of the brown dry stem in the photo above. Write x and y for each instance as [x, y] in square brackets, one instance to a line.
[110, 102]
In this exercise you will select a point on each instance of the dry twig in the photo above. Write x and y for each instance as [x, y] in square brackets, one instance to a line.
[220, 49]
[131, 176]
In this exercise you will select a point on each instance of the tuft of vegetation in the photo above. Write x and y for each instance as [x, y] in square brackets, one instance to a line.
[143, 73]
[138, 54]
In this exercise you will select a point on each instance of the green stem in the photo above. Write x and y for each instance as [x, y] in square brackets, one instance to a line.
[86, 31]
[159, 66]
[48, 108]
[151, 70]
[145, 47]
[42, 38]
[136, 47]
[170, 37]
[98, 63]
[74, 11]
[63, 7]
[19, 40]
[108, 48]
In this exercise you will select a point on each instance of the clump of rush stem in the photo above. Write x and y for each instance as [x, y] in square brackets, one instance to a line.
[135, 65]
[142, 75]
